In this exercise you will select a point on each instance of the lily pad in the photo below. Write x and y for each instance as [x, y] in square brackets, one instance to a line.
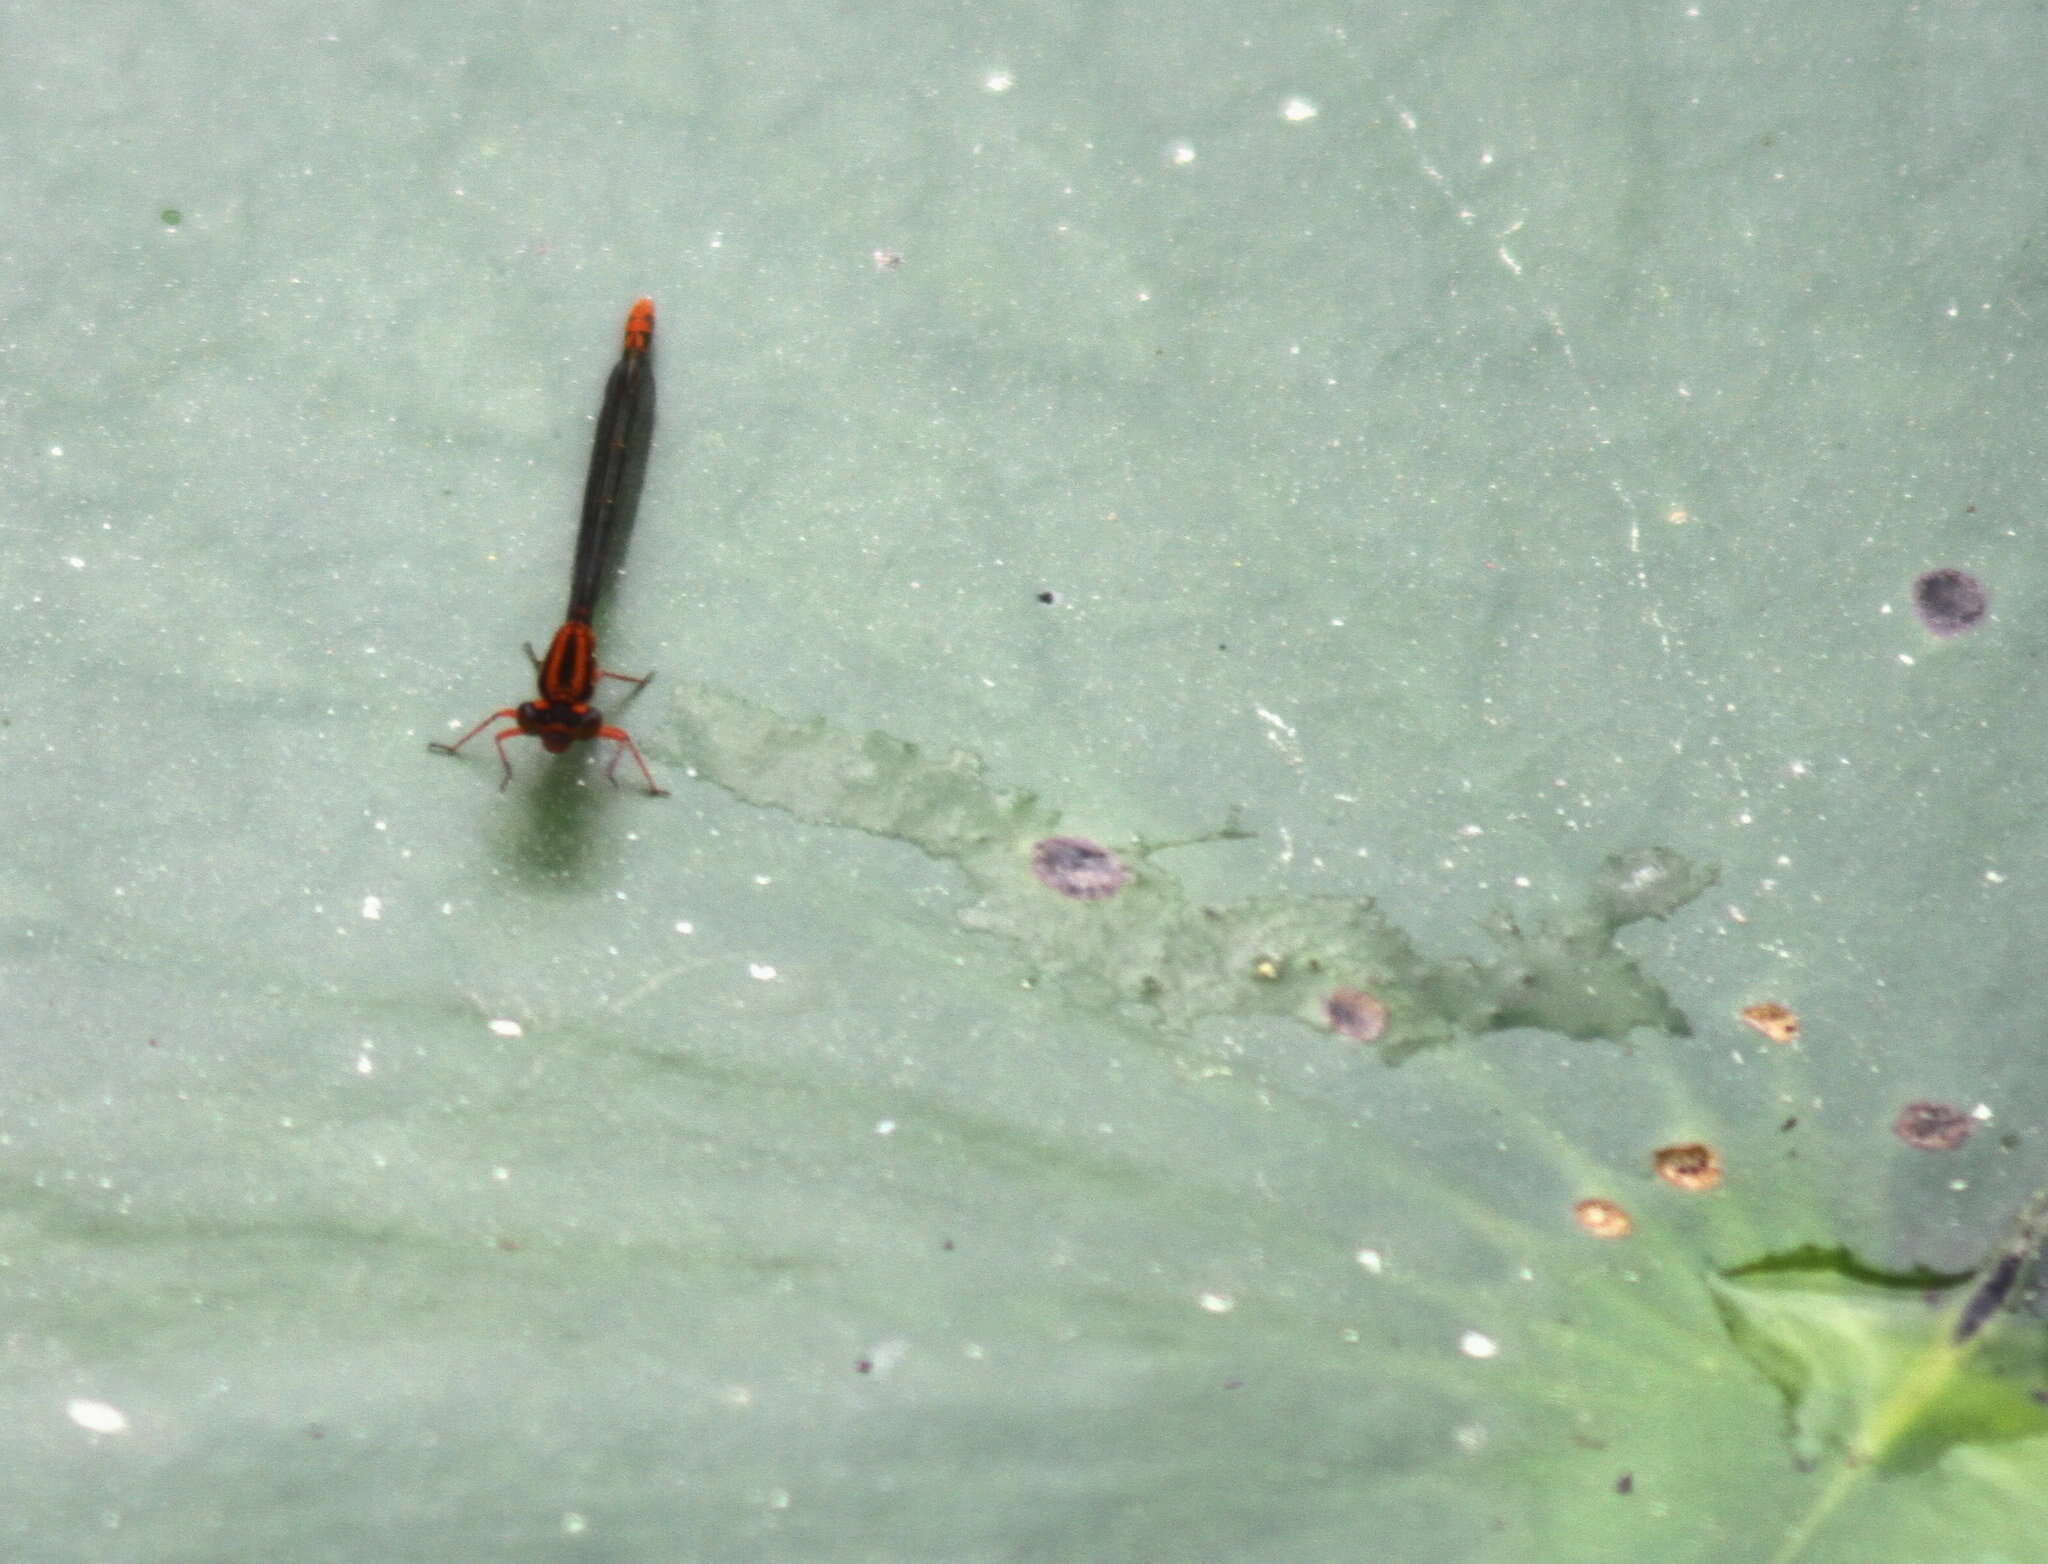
[1407, 490]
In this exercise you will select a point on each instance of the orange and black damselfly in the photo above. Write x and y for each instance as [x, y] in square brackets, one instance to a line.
[569, 674]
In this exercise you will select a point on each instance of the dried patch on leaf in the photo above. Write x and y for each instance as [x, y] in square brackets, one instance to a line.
[1774, 1021]
[1603, 1219]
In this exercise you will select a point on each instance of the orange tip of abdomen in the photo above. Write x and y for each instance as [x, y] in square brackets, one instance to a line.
[640, 326]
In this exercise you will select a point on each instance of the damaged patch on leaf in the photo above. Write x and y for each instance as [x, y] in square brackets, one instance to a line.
[1149, 946]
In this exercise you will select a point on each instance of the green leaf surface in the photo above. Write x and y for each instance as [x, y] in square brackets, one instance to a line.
[1427, 491]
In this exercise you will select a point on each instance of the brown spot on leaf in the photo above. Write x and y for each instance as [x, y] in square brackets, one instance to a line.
[1694, 1166]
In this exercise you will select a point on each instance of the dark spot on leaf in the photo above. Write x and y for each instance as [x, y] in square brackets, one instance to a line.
[1932, 1126]
[1625, 1483]
[1048, 597]
[1950, 601]
[1077, 867]
[1356, 1014]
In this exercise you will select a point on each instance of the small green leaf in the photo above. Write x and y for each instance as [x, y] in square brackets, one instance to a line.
[1875, 1367]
